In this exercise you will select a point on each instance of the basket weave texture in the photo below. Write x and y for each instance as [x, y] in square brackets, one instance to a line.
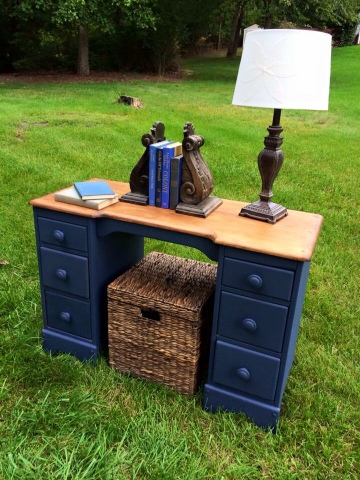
[159, 320]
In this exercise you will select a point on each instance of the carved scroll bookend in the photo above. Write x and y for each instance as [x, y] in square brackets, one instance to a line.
[197, 182]
[139, 177]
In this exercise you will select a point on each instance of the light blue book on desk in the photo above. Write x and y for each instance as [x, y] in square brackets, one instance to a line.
[94, 190]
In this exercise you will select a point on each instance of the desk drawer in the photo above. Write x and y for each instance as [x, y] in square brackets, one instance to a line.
[252, 321]
[68, 315]
[65, 272]
[255, 278]
[245, 370]
[63, 234]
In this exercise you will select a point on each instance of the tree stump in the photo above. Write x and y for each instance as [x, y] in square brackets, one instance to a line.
[130, 101]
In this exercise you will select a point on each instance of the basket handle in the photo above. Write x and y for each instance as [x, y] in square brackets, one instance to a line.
[150, 314]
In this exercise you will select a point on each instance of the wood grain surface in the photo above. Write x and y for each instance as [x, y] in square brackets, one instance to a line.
[293, 237]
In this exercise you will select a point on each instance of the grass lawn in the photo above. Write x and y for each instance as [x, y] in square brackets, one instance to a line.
[63, 419]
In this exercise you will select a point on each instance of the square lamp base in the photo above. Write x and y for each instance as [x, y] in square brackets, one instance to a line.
[264, 211]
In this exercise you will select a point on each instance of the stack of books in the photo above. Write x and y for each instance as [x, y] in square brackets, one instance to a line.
[91, 194]
[165, 172]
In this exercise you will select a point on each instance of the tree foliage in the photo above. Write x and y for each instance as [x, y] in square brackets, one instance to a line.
[148, 34]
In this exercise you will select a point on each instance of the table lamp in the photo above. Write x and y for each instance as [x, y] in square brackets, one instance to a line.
[281, 69]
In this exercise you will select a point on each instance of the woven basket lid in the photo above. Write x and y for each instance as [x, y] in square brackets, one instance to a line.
[168, 279]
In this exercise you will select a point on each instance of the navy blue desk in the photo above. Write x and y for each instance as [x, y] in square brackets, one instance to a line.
[261, 283]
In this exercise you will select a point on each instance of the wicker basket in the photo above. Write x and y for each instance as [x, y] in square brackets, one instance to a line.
[160, 313]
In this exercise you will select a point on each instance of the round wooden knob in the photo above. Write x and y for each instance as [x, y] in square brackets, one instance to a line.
[58, 235]
[243, 373]
[61, 274]
[255, 281]
[249, 324]
[65, 317]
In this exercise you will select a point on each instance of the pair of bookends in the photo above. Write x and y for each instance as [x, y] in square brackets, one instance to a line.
[196, 181]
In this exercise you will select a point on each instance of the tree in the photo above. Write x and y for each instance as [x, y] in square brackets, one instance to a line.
[8, 51]
[271, 13]
[236, 26]
[83, 18]
[148, 34]
[339, 17]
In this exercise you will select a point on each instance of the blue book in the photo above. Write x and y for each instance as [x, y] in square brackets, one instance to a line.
[168, 152]
[153, 149]
[94, 190]
[175, 180]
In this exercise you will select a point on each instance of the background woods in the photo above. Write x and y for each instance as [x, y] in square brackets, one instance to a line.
[144, 35]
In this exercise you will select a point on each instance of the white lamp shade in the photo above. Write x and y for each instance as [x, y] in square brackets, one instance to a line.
[285, 69]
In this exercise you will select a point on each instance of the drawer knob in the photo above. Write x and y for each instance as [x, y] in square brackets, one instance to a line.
[255, 281]
[249, 324]
[65, 317]
[243, 373]
[61, 274]
[58, 235]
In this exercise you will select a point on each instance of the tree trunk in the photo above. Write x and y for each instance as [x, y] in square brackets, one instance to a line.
[268, 21]
[235, 28]
[239, 25]
[83, 67]
[218, 45]
[269, 15]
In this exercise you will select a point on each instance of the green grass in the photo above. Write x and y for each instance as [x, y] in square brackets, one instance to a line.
[62, 419]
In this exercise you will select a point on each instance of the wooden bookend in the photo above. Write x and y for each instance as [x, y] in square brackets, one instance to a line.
[139, 177]
[197, 182]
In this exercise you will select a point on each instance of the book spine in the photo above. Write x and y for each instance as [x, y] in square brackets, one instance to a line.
[152, 174]
[165, 176]
[159, 156]
[175, 181]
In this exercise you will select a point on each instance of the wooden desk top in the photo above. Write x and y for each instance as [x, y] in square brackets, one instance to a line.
[293, 237]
